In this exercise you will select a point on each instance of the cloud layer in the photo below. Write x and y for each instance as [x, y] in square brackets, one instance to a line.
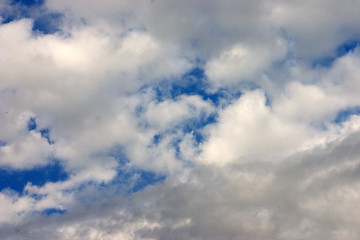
[181, 119]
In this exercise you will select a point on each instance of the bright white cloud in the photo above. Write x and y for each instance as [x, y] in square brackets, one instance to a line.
[248, 130]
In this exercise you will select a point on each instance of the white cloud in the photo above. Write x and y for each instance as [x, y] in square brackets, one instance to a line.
[322, 92]
[273, 164]
[244, 63]
[249, 130]
[175, 112]
[255, 199]
[26, 152]
[322, 26]
[76, 85]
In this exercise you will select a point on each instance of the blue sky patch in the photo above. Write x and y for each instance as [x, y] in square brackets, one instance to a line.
[45, 22]
[145, 178]
[31, 124]
[340, 51]
[17, 179]
[135, 179]
[45, 132]
[28, 3]
[157, 138]
[48, 23]
[51, 211]
[347, 47]
[197, 125]
[345, 114]
[194, 82]
[194, 126]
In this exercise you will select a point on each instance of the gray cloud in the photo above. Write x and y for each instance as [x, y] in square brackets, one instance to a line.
[296, 199]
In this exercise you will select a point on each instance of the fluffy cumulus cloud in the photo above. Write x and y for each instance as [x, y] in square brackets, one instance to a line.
[173, 119]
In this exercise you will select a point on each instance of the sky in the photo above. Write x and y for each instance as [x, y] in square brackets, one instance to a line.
[187, 120]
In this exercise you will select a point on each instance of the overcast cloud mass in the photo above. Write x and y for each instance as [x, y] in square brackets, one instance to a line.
[168, 119]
